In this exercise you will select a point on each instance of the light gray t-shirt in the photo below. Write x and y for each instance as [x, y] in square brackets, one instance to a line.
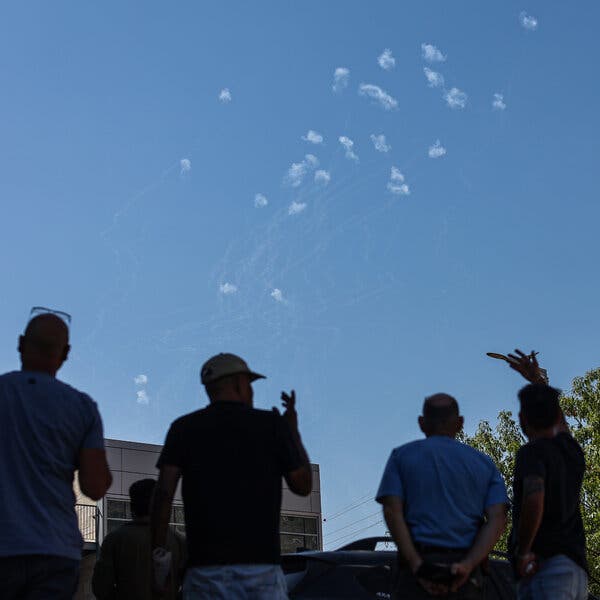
[44, 424]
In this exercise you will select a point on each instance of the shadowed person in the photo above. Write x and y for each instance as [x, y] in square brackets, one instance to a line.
[445, 507]
[48, 430]
[548, 538]
[124, 569]
[231, 458]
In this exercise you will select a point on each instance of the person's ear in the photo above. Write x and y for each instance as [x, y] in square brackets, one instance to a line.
[423, 425]
[238, 384]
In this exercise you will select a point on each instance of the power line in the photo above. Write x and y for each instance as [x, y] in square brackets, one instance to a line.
[329, 543]
[349, 508]
[354, 522]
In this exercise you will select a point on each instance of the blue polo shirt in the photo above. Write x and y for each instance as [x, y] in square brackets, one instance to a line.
[44, 424]
[445, 487]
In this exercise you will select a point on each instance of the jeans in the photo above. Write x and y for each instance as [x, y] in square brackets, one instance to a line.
[235, 582]
[558, 578]
[38, 577]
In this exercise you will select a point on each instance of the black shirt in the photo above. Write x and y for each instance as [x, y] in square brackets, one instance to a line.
[232, 458]
[559, 461]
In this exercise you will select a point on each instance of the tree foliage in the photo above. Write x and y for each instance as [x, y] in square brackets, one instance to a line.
[582, 409]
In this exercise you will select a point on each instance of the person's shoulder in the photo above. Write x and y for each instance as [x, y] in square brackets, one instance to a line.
[474, 454]
[409, 448]
[72, 391]
[10, 375]
[190, 417]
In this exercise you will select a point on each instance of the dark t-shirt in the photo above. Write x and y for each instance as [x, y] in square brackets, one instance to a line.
[561, 464]
[232, 459]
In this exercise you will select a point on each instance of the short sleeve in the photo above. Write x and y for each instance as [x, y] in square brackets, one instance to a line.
[173, 450]
[529, 463]
[94, 434]
[391, 482]
[287, 450]
[496, 493]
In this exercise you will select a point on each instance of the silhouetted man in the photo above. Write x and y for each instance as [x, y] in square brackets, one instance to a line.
[548, 539]
[124, 569]
[48, 430]
[436, 493]
[231, 458]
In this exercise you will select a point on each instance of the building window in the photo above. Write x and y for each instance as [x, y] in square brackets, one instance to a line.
[298, 532]
[119, 512]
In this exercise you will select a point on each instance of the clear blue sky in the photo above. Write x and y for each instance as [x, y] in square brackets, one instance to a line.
[383, 298]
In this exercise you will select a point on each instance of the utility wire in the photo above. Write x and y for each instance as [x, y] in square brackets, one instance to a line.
[348, 509]
[377, 512]
[352, 533]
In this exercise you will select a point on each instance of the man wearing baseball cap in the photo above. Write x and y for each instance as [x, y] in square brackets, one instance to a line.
[231, 458]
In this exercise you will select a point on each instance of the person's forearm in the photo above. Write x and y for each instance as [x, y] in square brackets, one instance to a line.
[401, 536]
[530, 519]
[485, 540]
[159, 517]
[300, 446]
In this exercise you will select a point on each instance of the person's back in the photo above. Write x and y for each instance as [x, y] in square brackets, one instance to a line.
[445, 506]
[446, 488]
[237, 452]
[43, 425]
[124, 569]
[48, 430]
[231, 458]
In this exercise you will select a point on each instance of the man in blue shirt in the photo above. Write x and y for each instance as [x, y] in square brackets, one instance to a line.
[445, 506]
[48, 430]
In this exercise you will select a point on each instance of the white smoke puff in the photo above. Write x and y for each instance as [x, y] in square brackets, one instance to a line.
[228, 288]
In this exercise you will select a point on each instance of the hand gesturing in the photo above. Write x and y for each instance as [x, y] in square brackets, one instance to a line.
[527, 365]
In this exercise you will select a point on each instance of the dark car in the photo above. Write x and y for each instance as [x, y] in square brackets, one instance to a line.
[359, 571]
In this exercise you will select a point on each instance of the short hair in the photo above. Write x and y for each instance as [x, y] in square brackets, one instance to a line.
[439, 410]
[140, 493]
[540, 405]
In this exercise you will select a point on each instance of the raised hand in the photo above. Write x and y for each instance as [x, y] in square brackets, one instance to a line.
[290, 414]
[527, 365]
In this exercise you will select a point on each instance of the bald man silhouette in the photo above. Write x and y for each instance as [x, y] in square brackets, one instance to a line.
[48, 431]
[436, 493]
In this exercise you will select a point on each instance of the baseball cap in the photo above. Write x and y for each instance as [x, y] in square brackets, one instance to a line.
[225, 364]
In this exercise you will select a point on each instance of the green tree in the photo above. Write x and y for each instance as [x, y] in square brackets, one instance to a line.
[582, 409]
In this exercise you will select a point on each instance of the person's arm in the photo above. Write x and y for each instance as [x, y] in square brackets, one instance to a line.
[299, 480]
[530, 519]
[160, 510]
[485, 540]
[104, 580]
[94, 474]
[393, 513]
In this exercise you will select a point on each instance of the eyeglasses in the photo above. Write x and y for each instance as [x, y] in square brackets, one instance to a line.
[42, 310]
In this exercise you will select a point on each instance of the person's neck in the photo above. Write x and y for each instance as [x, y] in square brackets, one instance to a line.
[230, 400]
[538, 434]
[37, 368]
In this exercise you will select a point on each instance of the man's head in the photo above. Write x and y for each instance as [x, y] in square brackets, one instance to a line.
[140, 494]
[227, 377]
[540, 408]
[44, 346]
[440, 416]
